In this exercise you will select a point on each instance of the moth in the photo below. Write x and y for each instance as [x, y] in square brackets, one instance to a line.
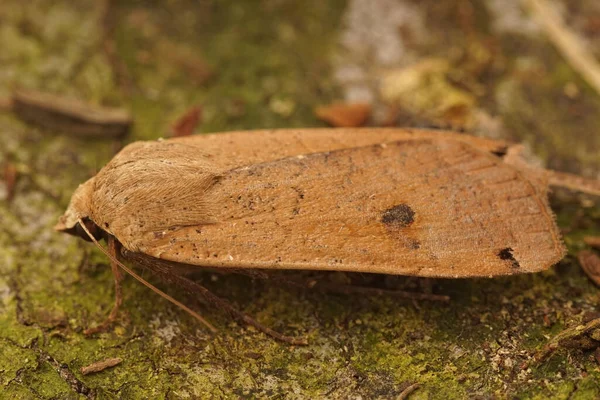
[389, 201]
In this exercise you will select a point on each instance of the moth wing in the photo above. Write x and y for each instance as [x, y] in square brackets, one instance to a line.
[236, 149]
[427, 208]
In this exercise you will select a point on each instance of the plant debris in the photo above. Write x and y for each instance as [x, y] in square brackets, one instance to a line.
[425, 90]
[10, 175]
[5, 104]
[580, 337]
[593, 241]
[408, 391]
[344, 115]
[187, 123]
[590, 263]
[101, 365]
[70, 116]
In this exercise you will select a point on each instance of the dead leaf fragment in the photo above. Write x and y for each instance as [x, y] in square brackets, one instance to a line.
[578, 337]
[408, 391]
[5, 103]
[593, 241]
[590, 263]
[187, 123]
[69, 115]
[10, 179]
[101, 365]
[344, 115]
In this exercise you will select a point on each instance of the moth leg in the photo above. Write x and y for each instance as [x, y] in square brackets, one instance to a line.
[163, 270]
[331, 287]
[210, 297]
[114, 249]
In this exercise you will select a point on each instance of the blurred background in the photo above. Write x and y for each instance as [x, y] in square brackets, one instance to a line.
[518, 70]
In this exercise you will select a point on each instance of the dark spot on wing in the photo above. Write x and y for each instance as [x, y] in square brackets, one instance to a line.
[399, 216]
[506, 254]
[501, 151]
[414, 244]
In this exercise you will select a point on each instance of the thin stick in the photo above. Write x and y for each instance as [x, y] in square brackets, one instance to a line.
[407, 392]
[147, 284]
[568, 43]
[101, 365]
[593, 241]
[574, 182]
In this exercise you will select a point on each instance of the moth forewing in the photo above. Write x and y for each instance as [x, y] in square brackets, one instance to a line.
[391, 201]
[412, 207]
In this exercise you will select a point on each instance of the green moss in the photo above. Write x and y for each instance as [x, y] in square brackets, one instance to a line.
[270, 63]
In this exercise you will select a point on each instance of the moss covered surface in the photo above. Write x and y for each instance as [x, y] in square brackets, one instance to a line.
[263, 64]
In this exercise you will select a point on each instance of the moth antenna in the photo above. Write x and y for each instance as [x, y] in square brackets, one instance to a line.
[146, 283]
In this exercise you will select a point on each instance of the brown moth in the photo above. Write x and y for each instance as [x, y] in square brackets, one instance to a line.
[391, 201]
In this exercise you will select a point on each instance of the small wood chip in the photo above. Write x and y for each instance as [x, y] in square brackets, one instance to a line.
[5, 103]
[101, 365]
[344, 115]
[10, 179]
[590, 263]
[408, 391]
[593, 241]
[187, 123]
[69, 115]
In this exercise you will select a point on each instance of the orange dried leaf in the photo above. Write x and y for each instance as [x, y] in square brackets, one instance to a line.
[590, 263]
[101, 365]
[593, 241]
[10, 179]
[187, 123]
[344, 115]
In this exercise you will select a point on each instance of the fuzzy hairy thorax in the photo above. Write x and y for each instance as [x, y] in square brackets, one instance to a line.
[147, 187]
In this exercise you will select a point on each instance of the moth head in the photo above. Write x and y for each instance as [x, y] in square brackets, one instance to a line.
[79, 208]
